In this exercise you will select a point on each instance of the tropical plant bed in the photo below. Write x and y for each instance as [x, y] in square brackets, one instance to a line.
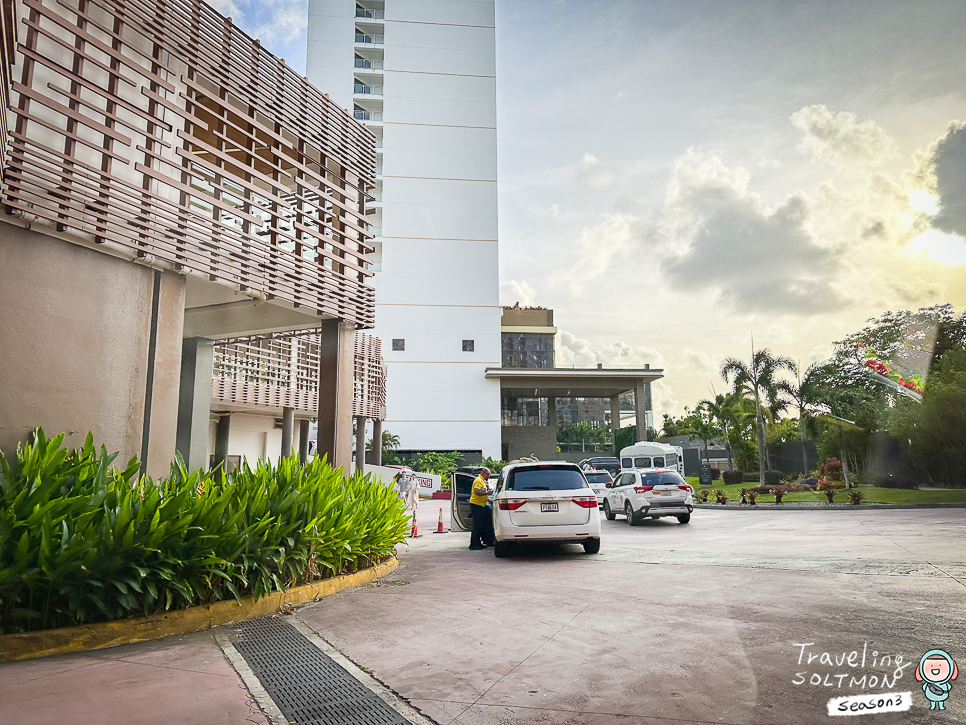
[871, 495]
[82, 542]
[82, 638]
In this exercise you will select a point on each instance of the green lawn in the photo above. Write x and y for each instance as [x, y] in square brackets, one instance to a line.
[872, 494]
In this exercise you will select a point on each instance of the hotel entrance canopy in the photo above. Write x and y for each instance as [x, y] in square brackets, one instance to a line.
[552, 383]
[571, 382]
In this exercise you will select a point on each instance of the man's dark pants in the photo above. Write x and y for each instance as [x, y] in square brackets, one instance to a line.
[482, 526]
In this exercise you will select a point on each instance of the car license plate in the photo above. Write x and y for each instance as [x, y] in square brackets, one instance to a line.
[544, 507]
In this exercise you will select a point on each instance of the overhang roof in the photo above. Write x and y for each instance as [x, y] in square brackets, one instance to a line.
[570, 382]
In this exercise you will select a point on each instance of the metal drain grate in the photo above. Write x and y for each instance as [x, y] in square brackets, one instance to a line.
[306, 684]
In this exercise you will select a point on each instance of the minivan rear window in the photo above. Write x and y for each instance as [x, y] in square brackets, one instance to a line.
[663, 478]
[598, 477]
[550, 478]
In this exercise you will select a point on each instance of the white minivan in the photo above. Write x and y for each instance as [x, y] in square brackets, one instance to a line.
[646, 454]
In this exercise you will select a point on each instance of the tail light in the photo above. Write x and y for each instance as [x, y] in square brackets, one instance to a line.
[642, 489]
[586, 501]
[511, 504]
[685, 487]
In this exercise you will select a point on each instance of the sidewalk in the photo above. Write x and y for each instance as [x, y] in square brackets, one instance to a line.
[184, 680]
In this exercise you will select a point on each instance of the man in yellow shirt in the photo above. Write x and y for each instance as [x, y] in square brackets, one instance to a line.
[480, 537]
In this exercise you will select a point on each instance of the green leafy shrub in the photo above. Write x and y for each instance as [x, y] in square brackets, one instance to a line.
[494, 465]
[81, 541]
[715, 473]
[773, 478]
[442, 464]
[831, 469]
[702, 495]
[731, 477]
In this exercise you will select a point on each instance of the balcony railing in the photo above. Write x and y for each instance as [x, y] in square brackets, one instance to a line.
[370, 39]
[367, 64]
[374, 14]
[364, 90]
[367, 115]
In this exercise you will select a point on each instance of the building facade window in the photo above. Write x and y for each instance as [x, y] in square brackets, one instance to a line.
[398, 344]
[469, 345]
[527, 350]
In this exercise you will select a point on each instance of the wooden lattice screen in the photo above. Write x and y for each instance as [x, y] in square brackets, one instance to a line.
[283, 372]
[161, 129]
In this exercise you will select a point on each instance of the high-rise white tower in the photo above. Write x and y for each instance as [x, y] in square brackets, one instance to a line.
[422, 75]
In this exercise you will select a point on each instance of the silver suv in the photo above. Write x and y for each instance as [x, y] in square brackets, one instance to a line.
[650, 492]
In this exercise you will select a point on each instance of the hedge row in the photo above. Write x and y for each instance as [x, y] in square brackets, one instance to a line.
[81, 541]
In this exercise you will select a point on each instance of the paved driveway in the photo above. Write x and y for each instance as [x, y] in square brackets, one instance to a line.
[711, 622]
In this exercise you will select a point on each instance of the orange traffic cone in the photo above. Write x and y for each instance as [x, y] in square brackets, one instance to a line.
[414, 534]
[439, 526]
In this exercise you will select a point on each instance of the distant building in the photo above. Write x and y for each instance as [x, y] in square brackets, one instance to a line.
[538, 398]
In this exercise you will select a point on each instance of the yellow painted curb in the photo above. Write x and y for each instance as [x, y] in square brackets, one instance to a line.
[27, 645]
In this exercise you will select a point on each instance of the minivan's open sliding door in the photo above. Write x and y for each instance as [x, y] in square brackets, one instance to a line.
[462, 488]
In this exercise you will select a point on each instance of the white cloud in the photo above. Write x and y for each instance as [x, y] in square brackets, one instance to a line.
[572, 351]
[622, 93]
[948, 250]
[287, 19]
[227, 8]
[592, 173]
[839, 139]
[513, 292]
[700, 183]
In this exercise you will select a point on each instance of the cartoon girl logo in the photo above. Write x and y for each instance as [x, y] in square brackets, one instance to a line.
[936, 671]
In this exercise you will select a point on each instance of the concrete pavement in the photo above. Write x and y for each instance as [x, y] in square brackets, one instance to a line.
[669, 624]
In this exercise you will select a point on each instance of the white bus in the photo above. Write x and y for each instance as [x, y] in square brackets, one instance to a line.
[646, 454]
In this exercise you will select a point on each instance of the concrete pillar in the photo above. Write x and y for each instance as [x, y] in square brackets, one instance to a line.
[304, 441]
[336, 361]
[194, 401]
[647, 396]
[222, 431]
[615, 418]
[377, 442]
[640, 406]
[552, 413]
[288, 430]
[360, 444]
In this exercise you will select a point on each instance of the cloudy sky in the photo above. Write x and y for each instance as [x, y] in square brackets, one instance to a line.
[678, 175]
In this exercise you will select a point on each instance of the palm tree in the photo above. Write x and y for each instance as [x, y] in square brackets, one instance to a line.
[725, 409]
[807, 392]
[760, 381]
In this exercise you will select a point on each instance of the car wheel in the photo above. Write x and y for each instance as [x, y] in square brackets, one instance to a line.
[501, 549]
[591, 546]
[629, 512]
[607, 512]
[684, 518]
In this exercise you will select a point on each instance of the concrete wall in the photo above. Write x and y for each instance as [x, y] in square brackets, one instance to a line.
[530, 440]
[253, 437]
[76, 329]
